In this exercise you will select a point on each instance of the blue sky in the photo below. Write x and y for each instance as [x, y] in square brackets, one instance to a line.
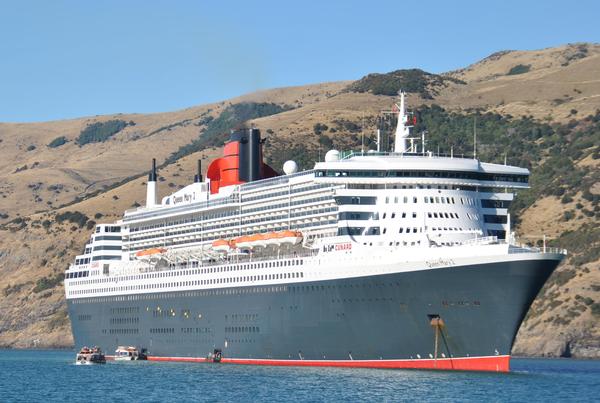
[64, 59]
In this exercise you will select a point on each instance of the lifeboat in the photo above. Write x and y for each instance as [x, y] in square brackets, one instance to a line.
[243, 242]
[271, 239]
[290, 237]
[148, 252]
[258, 240]
[221, 245]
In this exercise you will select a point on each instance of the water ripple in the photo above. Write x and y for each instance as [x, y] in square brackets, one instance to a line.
[51, 376]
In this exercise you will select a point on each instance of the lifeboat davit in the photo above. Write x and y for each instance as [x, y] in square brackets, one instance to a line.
[221, 245]
[148, 252]
[290, 237]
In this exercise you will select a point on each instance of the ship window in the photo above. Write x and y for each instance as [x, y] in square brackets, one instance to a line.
[414, 214]
[495, 203]
[401, 230]
[495, 219]
[393, 215]
[403, 215]
[499, 233]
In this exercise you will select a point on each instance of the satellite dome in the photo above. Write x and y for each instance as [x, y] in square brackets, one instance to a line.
[332, 156]
[290, 167]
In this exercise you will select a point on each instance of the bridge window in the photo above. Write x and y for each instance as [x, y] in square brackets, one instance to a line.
[485, 203]
[495, 219]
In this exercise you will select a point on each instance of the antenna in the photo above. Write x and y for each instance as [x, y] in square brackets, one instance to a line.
[475, 137]
[362, 142]
[362, 132]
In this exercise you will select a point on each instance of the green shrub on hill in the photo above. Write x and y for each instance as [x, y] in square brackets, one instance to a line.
[75, 217]
[319, 128]
[410, 80]
[518, 69]
[100, 131]
[57, 142]
[46, 283]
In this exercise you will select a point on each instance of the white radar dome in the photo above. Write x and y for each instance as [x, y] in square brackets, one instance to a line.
[290, 167]
[332, 156]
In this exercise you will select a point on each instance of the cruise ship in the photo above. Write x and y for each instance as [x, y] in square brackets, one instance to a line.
[383, 259]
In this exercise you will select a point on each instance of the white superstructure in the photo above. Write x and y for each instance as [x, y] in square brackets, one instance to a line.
[397, 210]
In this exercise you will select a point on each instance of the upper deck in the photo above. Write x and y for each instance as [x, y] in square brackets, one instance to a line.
[424, 168]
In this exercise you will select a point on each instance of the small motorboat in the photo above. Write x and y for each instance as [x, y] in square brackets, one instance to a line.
[129, 353]
[215, 356]
[88, 356]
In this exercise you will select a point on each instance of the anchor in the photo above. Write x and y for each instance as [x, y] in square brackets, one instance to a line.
[437, 323]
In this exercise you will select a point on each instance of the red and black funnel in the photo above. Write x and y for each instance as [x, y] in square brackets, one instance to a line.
[242, 161]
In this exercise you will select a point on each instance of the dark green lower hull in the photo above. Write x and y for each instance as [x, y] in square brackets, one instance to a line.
[380, 317]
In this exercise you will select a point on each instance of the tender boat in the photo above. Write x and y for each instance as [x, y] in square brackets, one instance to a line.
[129, 353]
[88, 356]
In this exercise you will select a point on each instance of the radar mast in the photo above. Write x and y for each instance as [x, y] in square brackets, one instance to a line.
[403, 127]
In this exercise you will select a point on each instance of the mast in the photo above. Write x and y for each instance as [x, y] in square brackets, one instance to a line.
[402, 129]
[475, 137]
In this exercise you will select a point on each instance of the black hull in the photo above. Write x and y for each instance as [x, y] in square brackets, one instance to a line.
[381, 317]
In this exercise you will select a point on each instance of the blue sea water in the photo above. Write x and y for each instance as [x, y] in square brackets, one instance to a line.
[51, 376]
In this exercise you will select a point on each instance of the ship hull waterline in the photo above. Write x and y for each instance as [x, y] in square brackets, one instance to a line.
[375, 321]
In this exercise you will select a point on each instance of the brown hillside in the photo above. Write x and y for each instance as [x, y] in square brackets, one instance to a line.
[558, 81]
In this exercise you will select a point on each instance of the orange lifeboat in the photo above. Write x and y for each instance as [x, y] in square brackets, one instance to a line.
[221, 245]
[271, 239]
[258, 240]
[148, 252]
[243, 242]
[290, 237]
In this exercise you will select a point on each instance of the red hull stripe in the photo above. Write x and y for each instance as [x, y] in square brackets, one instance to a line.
[500, 363]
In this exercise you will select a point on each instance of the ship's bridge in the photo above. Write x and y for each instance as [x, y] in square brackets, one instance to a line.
[378, 167]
